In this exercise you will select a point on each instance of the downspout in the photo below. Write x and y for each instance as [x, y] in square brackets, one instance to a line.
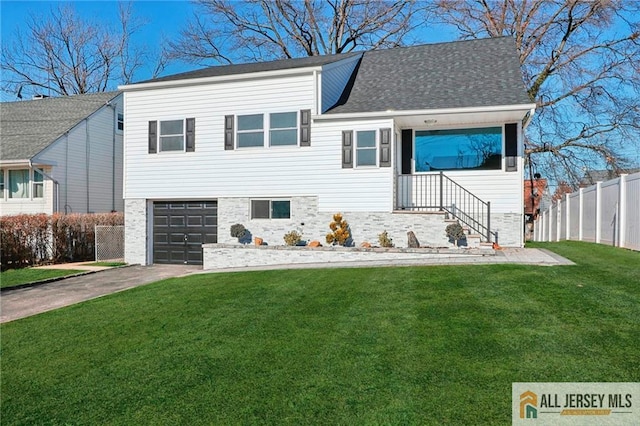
[113, 156]
[87, 157]
[56, 184]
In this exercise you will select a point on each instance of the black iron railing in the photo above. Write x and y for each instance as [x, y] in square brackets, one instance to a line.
[438, 192]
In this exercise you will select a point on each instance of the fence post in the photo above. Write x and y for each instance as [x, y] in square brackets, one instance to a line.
[580, 213]
[598, 211]
[542, 225]
[559, 220]
[622, 210]
[567, 235]
[441, 197]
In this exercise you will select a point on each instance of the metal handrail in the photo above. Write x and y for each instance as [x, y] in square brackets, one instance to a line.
[429, 191]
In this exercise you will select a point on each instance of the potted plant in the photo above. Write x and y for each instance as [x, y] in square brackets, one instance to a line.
[455, 232]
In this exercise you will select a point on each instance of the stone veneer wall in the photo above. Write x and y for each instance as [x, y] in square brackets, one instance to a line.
[314, 225]
[135, 231]
[365, 226]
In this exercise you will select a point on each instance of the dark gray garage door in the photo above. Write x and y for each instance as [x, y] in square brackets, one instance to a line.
[180, 229]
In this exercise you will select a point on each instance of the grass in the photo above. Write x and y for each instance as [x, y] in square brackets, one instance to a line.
[430, 345]
[15, 277]
[106, 264]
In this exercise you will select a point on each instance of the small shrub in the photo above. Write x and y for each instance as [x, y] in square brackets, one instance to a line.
[340, 231]
[238, 230]
[292, 238]
[455, 232]
[384, 240]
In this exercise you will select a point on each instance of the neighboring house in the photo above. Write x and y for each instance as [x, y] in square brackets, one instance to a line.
[62, 154]
[393, 139]
[592, 176]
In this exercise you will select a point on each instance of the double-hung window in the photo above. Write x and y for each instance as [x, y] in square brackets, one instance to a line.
[172, 135]
[250, 130]
[38, 184]
[283, 128]
[366, 148]
[270, 209]
[120, 122]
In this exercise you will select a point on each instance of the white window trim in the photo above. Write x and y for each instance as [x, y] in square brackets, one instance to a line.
[266, 130]
[375, 147]
[184, 135]
[270, 200]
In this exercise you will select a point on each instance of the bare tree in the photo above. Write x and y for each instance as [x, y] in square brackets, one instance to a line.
[63, 54]
[580, 63]
[227, 31]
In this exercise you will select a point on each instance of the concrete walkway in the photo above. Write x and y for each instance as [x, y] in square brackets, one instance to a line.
[24, 302]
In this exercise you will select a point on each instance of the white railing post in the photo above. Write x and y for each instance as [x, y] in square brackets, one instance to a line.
[567, 235]
[622, 210]
[598, 211]
[580, 213]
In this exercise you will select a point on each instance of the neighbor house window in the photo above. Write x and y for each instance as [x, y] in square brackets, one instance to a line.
[250, 130]
[38, 184]
[270, 209]
[366, 148]
[283, 128]
[120, 122]
[172, 135]
[19, 183]
[459, 149]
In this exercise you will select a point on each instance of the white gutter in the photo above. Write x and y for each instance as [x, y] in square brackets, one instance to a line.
[219, 79]
[528, 118]
[441, 111]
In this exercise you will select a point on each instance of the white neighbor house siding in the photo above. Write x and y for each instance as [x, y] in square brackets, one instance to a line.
[83, 163]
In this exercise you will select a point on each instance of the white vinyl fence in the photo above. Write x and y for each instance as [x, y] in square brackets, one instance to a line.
[607, 213]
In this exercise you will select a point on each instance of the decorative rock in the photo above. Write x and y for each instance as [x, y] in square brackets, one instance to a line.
[412, 241]
[315, 243]
[365, 245]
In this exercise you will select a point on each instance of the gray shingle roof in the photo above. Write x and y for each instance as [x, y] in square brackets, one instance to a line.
[27, 127]
[458, 74]
[281, 64]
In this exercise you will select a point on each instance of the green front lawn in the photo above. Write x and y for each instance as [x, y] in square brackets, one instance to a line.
[413, 345]
[14, 277]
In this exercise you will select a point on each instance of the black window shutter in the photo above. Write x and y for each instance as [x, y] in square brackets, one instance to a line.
[407, 151]
[228, 132]
[191, 134]
[153, 137]
[511, 146]
[305, 127]
[347, 149]
[385, 147]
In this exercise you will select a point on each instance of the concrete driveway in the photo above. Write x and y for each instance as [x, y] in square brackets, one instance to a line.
[24, 302]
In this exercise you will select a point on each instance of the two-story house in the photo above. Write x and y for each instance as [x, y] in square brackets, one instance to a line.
[62, 154]
[394, 139]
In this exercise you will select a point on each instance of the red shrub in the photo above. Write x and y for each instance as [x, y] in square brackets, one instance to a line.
[32, 239]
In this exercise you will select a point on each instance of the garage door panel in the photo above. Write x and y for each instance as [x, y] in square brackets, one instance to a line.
[180, 229]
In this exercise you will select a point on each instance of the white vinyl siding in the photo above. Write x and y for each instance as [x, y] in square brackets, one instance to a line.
[334, 80]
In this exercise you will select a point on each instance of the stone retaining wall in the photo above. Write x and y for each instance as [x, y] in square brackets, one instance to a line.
[217, 256]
